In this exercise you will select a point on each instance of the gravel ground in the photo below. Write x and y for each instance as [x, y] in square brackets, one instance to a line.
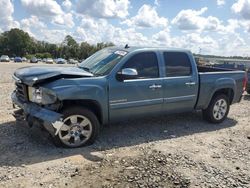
[167, 151]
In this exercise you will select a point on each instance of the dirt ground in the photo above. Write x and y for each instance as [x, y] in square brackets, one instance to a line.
[168, 151]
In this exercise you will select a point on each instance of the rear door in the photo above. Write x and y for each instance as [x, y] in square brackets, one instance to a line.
[180, 82]
[138, 96]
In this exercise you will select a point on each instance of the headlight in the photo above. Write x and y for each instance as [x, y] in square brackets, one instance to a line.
[41, 95]
[35, 94]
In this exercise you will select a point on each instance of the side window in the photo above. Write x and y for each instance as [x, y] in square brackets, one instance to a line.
[145, 63]
[177, 64]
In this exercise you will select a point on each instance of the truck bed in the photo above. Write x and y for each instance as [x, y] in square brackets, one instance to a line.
[212, 79]
[205, 69]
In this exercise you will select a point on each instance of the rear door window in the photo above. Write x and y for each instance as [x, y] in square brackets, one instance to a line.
[177, 64]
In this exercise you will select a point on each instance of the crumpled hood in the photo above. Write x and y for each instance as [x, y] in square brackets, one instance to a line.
[38, 74]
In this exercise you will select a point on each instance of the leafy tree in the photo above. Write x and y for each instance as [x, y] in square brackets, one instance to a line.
[69, 41]
[70, 47]
[86, 50]
[18, 43]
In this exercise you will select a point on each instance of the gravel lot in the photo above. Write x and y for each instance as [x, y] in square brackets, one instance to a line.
[168, 151]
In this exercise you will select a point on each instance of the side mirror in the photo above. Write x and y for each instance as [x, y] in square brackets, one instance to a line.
[127, 74]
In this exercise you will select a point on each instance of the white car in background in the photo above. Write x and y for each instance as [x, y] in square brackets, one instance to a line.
[60, 61]
[4, 58]
[24, 59]
[49, 61]
[72, 61]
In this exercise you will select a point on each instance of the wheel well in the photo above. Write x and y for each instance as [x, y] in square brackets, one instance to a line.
[226, 91]
[89, 104]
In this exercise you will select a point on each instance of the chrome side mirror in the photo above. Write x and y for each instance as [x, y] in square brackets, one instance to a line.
[127, 74]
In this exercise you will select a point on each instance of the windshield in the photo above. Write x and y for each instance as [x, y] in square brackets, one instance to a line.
[103, 61]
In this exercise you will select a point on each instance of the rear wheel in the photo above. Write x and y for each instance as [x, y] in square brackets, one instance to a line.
[80, 128]
[217, 110]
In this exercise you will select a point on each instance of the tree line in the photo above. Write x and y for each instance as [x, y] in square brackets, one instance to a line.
[16, 42]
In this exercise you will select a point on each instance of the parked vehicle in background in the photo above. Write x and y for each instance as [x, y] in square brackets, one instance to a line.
[24, 59]
[39, 59]
[60, 61]
[44, 60]
[18, 60]
[116, 84]
[4, 58]
[72, 61]
[12, 59]
[49, 61]
[33, 60]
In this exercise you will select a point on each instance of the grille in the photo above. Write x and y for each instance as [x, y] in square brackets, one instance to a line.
[21, 92]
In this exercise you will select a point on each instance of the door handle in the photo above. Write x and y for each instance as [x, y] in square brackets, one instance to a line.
[154, 86]
[190, 83]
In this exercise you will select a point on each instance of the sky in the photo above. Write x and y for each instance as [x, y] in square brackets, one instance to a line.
[218, 27]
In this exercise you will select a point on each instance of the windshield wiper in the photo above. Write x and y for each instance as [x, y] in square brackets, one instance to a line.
[85, 68]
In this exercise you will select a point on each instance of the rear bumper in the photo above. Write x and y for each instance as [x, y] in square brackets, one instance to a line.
[32, 112]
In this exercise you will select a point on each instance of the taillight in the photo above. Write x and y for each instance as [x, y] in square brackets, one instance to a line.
[245, 83]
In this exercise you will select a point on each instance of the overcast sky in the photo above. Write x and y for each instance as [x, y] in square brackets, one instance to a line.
[220, 27]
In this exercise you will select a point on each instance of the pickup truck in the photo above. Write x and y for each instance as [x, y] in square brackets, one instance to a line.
[117, 83]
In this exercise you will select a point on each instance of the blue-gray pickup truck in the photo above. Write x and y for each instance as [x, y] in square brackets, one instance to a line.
[121, 83]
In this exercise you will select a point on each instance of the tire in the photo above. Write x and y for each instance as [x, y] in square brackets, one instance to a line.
[217, 110]
[81, 128]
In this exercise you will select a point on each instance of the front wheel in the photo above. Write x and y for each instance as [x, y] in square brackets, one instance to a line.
[80, 128]
[217, 110]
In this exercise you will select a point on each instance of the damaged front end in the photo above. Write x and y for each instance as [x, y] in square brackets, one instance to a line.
[37, 106]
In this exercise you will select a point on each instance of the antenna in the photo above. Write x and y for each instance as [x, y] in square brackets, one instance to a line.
[199, 50]
[126, 46]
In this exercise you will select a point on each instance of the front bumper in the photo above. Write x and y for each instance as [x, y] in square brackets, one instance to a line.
[51, 120]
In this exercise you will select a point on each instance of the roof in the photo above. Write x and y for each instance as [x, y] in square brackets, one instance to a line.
[134, 48]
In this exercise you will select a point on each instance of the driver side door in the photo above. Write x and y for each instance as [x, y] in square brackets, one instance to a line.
[140, 95]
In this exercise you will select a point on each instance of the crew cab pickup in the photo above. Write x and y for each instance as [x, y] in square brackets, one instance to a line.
[121, 83]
